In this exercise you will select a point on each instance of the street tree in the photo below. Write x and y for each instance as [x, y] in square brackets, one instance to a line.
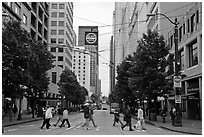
[68, 87]
[148, 72]
[24, 63]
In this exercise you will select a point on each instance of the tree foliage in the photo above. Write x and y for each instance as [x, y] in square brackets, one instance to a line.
[148, 72]
[24, 62]
[70, 88]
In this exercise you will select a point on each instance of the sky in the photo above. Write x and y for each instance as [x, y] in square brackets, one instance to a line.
[97, 14]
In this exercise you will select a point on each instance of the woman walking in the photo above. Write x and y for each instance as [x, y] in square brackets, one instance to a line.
[48, 116]
[65, 118]
[127, 118]
[86, 116]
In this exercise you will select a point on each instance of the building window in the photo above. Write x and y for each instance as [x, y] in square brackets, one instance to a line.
[180, 34]
[25, 20]
[184, 29]
[171, 42]
[54, 77]
[193, 53]
[53, 49]
[53, 14]
[61, 14]
[61, 6]
[188, 25]
[53, 32]
[181, 60]
[61, 32]
[53, 23]
[60, 66]
[60, 49]
[17, 10]
[54, 6]
[197, 16]
[60, 41]
[192, 22]
[61, 23]
[53, 40]
[60, 58]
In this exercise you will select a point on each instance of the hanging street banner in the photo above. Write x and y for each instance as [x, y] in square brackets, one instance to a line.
[177, 81]
[91, 38]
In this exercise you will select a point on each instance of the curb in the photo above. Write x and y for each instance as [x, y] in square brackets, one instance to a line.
[21, 122]
[151, 123]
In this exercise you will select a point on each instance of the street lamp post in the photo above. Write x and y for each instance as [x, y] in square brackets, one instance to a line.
[177, 121]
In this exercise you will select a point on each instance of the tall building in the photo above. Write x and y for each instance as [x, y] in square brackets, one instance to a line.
[189, 16]
[34, 18]
[88, 37]
[81, 67]
[61, 41]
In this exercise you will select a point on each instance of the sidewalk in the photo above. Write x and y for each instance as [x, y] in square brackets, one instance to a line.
[25, 119]
[188, 126]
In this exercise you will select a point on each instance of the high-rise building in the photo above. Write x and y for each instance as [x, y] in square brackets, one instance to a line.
[88, 38]
[61, 41]
[81, 67]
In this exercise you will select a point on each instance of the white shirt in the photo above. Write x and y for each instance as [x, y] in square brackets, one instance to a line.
[65, 114]
[140, 113]
[48, 113]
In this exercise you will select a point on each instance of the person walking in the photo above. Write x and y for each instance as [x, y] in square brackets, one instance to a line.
[140, 117]
[172, 114]
[65, 118]
[117, 117]
[127, 118]
[60, 118]
[15, 109]
[48, 116]
[91, 115]
[86, 116]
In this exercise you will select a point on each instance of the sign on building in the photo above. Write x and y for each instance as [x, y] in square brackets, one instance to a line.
[91, 38]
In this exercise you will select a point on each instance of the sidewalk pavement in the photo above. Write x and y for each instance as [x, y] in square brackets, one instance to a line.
[188, 126]
[25, 119]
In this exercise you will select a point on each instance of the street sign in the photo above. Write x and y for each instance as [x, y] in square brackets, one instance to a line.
[177, 98]
[177, 81]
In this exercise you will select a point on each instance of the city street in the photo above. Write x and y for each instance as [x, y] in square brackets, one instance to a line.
[103, 120]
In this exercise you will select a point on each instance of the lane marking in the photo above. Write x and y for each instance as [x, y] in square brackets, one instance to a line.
[12, 130]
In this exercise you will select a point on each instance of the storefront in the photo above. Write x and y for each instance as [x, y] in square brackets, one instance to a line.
[194, 99]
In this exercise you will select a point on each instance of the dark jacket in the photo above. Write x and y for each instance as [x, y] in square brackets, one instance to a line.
[86, 112]
[127, 115]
